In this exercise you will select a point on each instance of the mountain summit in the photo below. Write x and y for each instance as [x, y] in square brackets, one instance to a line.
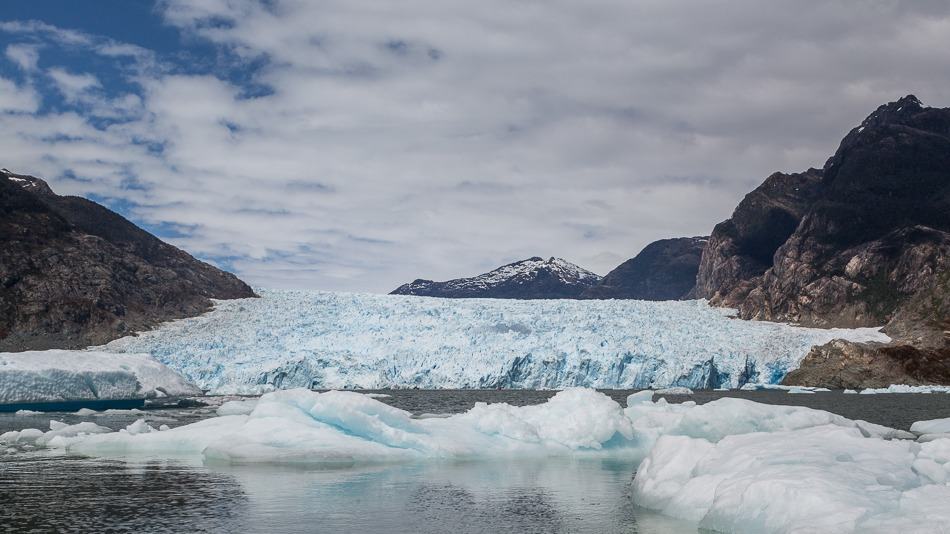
[533, 278]
[863, 241]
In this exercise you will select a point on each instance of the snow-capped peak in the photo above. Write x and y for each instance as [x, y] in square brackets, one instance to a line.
[533, 278]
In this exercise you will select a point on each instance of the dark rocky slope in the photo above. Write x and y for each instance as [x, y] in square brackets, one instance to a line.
[862, 242]
[74, 274]
[533, 278]
[663, 270]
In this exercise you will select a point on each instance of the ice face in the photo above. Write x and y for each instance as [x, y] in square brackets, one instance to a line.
[58, 375]
[338, 340]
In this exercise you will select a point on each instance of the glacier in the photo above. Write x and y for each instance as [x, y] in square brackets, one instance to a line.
[325, 340]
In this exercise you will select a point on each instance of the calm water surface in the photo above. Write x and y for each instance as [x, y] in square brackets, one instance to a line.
[41, 492]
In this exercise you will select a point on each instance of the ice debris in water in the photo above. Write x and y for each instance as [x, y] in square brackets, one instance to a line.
[728, 465]
[902, 388]
[322, 340]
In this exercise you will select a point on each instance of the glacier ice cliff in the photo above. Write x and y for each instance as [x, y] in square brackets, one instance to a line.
[342, 340]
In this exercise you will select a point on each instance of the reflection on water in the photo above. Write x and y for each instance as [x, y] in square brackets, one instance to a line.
[55, 493]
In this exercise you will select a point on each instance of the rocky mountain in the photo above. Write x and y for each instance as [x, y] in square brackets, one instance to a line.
[533, 278]
[864, 241]
[663, 270]
[74, 274]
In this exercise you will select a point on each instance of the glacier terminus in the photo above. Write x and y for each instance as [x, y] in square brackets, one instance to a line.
[325, 340]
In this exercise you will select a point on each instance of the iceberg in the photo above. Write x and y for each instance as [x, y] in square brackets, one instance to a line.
[72, 375]
[322, 340]
[728, 465]
[816, 479]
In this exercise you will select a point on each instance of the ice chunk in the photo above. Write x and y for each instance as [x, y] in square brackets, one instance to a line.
[932, 426]
[61, 375]
[319, 340]
[849, 392]
[302, 426]
[237, 407]
[817, 479]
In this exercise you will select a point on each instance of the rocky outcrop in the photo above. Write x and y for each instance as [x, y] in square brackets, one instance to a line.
[663, 270]
[740, 249]
[533, 278]
[74, 274]
[863, 242]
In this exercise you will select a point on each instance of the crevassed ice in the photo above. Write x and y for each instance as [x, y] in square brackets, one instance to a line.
[339, 340]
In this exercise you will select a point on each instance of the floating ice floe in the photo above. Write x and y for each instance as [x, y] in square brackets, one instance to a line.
[323, 340]
[729, 465]
[69, 375]
[903, 388]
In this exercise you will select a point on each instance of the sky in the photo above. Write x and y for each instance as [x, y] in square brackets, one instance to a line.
[356, 145]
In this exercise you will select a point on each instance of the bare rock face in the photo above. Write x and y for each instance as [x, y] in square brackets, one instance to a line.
[663, 270]
[741, 248]
[74, 274]
[869, 245]
[533, 278]
[843, 364]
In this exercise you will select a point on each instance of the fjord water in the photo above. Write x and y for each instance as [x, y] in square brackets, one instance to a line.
[47, 492]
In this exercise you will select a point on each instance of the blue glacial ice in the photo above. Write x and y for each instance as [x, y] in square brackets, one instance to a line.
[340, 340]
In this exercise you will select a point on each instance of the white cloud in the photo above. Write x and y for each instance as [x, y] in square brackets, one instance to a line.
[16, 99]
[25, 56]
[427, 139]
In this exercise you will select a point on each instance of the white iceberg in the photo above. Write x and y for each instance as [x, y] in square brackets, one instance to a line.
[323, 340]
[69, 375]
[728, 465]
[815, 479]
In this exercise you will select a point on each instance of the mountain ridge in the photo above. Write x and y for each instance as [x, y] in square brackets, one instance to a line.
[74, 274]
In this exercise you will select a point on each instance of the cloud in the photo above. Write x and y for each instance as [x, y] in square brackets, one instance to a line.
[73, 85]
[358, 145]
[25, 56]
[16, 99]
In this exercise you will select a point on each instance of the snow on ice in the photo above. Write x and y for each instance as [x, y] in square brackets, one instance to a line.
[337, 340]
[62, 375]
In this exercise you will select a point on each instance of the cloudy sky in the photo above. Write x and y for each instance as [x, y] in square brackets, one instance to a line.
[359, 144]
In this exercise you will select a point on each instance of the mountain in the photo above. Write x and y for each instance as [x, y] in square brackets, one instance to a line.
[864, 241]
[533, 278]
[74, 274]
[663, 270]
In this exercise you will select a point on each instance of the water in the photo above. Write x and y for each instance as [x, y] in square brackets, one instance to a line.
[43, 492]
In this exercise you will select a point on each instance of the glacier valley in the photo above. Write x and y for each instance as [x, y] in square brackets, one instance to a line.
[325, 340]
